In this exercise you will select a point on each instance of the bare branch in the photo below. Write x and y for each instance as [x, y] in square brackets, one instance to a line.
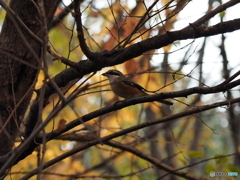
[123, 132]
[151, 159]
[212, 13]
[90, 55]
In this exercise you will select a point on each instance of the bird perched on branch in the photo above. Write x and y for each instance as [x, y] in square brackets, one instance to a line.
[124, 87]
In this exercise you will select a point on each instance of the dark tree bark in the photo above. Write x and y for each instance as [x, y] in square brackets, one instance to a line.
[17, 78]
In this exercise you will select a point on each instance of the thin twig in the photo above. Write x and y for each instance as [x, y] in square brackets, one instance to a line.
[89, 54]
[212, 13]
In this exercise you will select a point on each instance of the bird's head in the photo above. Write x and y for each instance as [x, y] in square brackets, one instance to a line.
[112, 73]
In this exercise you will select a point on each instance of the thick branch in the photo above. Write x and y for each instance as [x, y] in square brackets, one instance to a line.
[166, 39]
[114, 57]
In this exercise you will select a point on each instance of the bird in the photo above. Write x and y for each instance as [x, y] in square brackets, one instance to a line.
[125, 88]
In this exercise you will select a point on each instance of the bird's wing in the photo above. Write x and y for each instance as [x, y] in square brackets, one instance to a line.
[131, 83]
[128, 82]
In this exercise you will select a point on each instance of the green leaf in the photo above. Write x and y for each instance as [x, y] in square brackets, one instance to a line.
[196, 154]
[221, 160]
[210, 168]
[233, 168]
[222, 14]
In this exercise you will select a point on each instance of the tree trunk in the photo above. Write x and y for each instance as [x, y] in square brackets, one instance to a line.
[17, 79]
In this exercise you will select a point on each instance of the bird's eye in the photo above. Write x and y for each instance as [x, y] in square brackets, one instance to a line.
[114, 73]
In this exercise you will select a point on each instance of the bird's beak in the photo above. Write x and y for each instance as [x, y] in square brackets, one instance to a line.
[104, 74]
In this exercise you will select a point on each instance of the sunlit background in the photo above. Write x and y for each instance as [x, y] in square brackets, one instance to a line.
[100, 26]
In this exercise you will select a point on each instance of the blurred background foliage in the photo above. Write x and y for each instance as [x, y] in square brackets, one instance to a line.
[178, 66]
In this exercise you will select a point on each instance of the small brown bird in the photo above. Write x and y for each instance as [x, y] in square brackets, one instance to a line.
[124, 87]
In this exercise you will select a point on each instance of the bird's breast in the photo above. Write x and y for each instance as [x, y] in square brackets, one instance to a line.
[126, 91]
